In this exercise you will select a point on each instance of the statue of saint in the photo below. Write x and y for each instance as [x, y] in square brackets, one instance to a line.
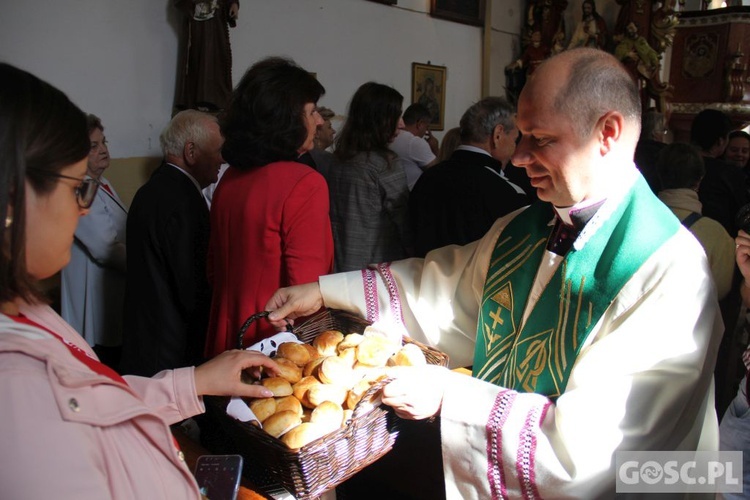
[637, 55]
[546, 17]
[591, 31]
[204, 79]
[534, 54]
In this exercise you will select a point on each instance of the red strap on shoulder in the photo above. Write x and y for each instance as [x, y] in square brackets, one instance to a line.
[78, 353]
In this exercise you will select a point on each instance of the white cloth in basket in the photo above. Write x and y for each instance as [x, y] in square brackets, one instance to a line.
[237, 408]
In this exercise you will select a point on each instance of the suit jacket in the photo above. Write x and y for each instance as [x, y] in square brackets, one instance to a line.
[458, 200]
[167, 296]
[93, 282]
[722, 193]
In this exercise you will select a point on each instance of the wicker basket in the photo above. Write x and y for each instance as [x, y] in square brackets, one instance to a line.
[327, 462]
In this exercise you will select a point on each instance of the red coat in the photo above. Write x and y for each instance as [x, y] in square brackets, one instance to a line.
[270, 228]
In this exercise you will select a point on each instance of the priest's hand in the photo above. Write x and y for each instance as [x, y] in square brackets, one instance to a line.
[416, 392]
[293, 302]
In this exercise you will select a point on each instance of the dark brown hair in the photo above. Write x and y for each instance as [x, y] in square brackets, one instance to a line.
[264, 121]
[40, 131]
[371, 123]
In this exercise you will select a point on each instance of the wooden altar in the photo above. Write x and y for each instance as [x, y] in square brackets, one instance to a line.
[709, 67]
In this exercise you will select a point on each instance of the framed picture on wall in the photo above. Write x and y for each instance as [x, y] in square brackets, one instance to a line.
[428, 88]
[461, 11]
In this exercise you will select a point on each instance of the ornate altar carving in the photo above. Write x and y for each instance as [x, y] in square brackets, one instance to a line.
[657, 22]
[709, 66]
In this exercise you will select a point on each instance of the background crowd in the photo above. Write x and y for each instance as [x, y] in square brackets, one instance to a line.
[168, 282]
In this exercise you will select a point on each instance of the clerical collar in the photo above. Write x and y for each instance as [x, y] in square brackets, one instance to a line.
[579, 214]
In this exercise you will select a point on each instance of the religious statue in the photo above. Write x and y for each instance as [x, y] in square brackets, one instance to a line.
[637, 55]
[205, 67]
[592, 30]
[545, 17]
[534, 54]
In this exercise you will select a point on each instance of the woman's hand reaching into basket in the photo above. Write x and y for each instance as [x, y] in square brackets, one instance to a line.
[221, 376]
[293, 302]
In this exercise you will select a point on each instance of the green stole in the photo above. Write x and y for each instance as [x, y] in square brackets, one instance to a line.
[537, 356]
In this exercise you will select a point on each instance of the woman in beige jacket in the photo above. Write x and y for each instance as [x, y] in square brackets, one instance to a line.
[72, 427]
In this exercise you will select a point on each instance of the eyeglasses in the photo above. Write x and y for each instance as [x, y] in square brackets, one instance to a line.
[85, 191]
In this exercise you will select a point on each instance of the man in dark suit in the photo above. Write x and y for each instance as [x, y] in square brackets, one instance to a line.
[167, 296]
[458, 200]
[722, 190]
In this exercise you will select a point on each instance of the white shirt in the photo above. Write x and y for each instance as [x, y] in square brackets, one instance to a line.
[415, 152]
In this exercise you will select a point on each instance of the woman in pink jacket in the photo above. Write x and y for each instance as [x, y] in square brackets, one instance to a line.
[71, 426]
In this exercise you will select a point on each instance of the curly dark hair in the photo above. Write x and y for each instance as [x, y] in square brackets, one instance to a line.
[264, 120]
[41, 132]
[373, 117]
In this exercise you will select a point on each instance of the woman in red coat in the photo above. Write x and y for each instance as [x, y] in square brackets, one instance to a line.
[270, 226]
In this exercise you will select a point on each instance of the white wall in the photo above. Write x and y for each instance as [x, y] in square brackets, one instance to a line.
[118, 59]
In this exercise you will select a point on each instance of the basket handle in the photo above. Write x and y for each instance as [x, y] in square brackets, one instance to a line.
[249, 321]
[369, 399]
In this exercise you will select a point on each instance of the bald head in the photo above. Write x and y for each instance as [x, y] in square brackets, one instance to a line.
[585, 84]
[579, 118]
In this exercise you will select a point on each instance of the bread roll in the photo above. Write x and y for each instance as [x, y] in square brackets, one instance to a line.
[349, 355]
[263, 408]
[378, 331]
[303, 434]
[335, 370]
[408, 355]
[289, 370]
[311, 367]
[326, 392]
[375, 351]
[356, 393]
[279, 386]
[329, 415]
[361, 371]
[294, 352]
[281, 422]
[289, 403]
[301, 389]
[314, 354]
[351, 340]
[327, 342]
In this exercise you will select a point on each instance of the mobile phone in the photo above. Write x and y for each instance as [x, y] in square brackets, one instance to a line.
[218, 476]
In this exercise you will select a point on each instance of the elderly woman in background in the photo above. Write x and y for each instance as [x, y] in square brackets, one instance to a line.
[72, 427]
[269, 215]
[93, 283]
[369, 193]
